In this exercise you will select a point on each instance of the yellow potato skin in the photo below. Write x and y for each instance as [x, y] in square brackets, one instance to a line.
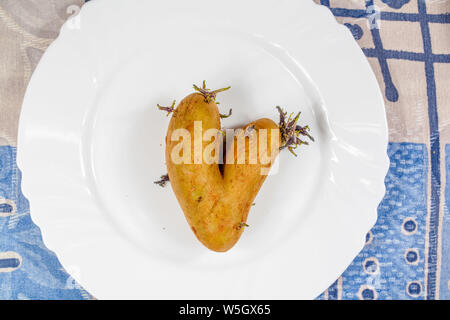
[215, 204]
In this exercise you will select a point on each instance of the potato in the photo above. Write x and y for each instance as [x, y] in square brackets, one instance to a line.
[216, 202]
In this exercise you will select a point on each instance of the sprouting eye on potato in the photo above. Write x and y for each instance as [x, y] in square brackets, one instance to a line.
[216, 175]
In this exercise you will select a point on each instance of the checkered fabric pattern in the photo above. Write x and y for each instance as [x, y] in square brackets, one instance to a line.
[407, 253]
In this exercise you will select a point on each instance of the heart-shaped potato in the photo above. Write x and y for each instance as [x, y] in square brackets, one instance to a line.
[215, 191]
[216, 199]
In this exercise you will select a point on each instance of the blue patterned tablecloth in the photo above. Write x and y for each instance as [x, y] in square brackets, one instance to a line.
[407, 253]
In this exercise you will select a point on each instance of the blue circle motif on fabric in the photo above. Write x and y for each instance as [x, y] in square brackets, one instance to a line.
[371, 265]
[414, 288]
[367, 292]
[356, 30]
[412, 256]
[5, 208]
[396, 4]
[409, 226]
[369, 237]
[9, 261]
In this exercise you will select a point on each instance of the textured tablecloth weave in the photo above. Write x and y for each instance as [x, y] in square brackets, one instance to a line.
[407, 253]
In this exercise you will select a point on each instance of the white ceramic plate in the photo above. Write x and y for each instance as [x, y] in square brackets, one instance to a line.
[91, 143]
